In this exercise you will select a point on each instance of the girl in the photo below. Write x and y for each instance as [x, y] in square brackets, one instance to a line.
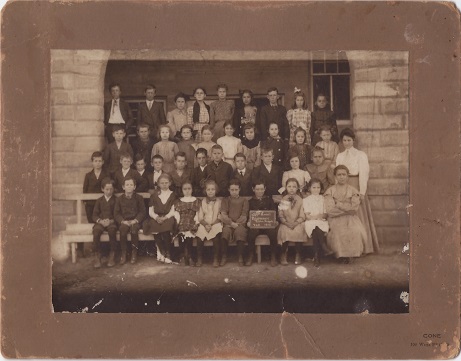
[301, 148]
[230, 144]
[162, 221]
[166, 149]
[291, 222]
[206, 142]
[199, 113]
[356, 162]
[278, 145]
[251, 147]
[347, 236]
[187, 208]
[187, 145]
[208, 216]
[329, 147]
[316, 225]
[221, 111]
[299, 116]
[323, 115]
[245, 114]
[177, 117]
[303, 177]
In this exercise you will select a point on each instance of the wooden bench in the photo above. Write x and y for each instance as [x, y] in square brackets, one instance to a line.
[82, 232]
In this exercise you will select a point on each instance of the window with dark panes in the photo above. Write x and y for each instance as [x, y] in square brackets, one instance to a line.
[332, 78]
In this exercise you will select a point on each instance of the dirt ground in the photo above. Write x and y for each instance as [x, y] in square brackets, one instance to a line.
[373, 283]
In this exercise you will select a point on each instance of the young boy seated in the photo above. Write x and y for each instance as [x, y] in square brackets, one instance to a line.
[234, 215]
[114, 150]
[197, 176]
[321, 169]
[219, 171]
[92, 184]
[103, 217]
[143, 144]
[140, 165]
[269, 173]
[261, 202]
[180, 173]
[129, 213]
[157, 165]
[126, 160]
[243, 174]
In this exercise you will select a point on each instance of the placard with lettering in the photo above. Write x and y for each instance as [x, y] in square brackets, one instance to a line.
[262, 219]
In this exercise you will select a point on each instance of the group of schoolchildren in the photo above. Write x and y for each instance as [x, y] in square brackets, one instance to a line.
[201, 164]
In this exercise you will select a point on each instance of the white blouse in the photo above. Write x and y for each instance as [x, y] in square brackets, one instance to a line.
[314, 204]
[230, 145]
[301, 176]
[357, 162]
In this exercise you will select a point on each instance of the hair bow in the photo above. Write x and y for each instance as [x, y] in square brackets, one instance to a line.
[297, 90]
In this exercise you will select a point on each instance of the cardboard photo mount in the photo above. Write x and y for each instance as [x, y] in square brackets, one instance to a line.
[429, 32]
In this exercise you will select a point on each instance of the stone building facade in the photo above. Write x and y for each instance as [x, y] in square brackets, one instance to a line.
[379, 83]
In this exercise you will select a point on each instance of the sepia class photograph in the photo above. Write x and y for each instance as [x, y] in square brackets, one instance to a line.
[230, 181]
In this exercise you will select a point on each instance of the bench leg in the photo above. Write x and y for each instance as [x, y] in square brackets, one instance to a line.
[258, 253]
[73, 251]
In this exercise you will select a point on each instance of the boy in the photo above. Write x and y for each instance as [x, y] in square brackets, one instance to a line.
[221, 111]
[129, 213]
[114, 150]
[269, 173]
[242, 174]
[92, 184]
[330, 148]
[140, 165]
[261, 202]
[197, 176]
[126, 172]
[234, 215]
[219, 171]
[157, 164]
[143, 144]
[273, 112]
[323, 115]
[103, 217]
[151, 112]
[180, 173]
[278, 145]
[116, 112]
[321, 169]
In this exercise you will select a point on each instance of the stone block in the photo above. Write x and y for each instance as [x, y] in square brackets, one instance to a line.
[376, 202]
[380, 89]
[69, 175]
[62, 144]
[88, 96]
[91, 55]
[367, 138]
[91, 144]
[395, 105]
[89, 112]
[373, 59]
[390, 218]
[60, 191]
[63, 208]
[388, 154]
[396, 203]
[59, 97]
[387, 187]
[389, 73]
[395, 170]
[65, 66]
[379, 121]
[382, 106]
[62, 112]
[73, 159]
[78, 129]
[62, 81]
[88, 82]
[394, 137]
[393, 235]
[375, 171]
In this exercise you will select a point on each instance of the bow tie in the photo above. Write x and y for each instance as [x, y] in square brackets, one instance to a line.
[209, 200]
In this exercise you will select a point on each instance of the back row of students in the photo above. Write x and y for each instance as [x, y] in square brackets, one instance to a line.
[199, 114]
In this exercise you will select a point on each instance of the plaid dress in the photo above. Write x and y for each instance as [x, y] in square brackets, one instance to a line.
[187, 212]
[204, 119]
[299, 118]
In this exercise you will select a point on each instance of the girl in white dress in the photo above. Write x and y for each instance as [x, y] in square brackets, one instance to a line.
[316, 225]
[303, 177]
[356, 162]
[230, 144]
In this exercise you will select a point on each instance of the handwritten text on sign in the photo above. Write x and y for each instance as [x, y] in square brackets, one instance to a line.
[262, 219]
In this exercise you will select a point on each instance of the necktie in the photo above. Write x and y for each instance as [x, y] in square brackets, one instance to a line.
[115, 104]
[241, 173]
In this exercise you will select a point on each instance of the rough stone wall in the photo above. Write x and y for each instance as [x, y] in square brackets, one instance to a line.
[77, 81]
[379, 82]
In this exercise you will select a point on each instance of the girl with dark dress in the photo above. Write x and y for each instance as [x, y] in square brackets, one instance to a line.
[244, 114]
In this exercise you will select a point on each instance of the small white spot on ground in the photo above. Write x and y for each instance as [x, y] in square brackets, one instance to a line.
[301, 272]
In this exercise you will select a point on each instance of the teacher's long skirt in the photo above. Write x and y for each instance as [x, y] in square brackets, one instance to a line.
[365, 215]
